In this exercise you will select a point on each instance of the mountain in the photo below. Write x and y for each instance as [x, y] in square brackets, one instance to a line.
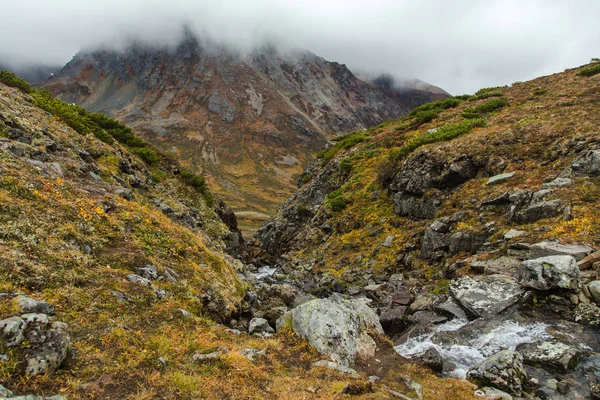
[248, 122]
[480, 210]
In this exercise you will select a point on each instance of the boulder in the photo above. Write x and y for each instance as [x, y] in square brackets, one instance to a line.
[431, 359]
[551, 354]
[539, 210]
[589, 164]
[415, 207]
[260, 326]
[24, 305]
[486, 296]
[558, 183]
[594, 288]
[553, 272]
[513, 233]
[391, 319]
[552, 248]
[337, 327]
[451, 309]
[503, 370]
[497, 179]
[466, 242]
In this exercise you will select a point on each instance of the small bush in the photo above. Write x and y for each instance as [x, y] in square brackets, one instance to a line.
[346, 165]
[424, 116]
[439, 105]
[306, 178]
[487, 107]
[335, 201]
[539, 91]
[12, 80]
[148, 154]
[464, 96]
[590, 71]
[487, 92]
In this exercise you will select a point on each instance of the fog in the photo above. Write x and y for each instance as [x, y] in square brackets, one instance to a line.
[460, 46]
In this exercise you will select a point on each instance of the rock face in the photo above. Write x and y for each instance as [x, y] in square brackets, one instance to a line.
[337, 328]
[487, 296]
[553, 272]
[504, 370]
[222, 110]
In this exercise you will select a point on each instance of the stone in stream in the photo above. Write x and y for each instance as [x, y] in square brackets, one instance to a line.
[486, 296]
[336, 327]
[553, 272]
[503, 370]
[551, 354]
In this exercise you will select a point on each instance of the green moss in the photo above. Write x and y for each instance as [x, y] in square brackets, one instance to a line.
[346, 165]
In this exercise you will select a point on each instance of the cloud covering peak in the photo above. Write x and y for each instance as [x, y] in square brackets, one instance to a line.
[460, 45]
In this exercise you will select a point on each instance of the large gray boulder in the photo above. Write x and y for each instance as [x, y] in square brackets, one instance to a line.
[486, 296]
[337, 327]
[553, 272]
[552, 248]
[503, 370]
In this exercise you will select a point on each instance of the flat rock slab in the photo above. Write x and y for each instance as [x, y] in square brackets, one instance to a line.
[550, 248]
[486, 296]
[494, 180]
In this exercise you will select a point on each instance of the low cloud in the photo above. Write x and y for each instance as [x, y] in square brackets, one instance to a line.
[460, 45]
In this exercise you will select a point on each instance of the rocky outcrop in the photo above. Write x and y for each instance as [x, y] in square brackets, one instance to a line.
[338, 328]
[423, 171]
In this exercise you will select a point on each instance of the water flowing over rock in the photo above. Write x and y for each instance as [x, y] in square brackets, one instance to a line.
[338, 328]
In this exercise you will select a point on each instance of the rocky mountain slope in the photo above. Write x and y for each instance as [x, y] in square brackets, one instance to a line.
[472, 225]
[249, 122]
[114, 281]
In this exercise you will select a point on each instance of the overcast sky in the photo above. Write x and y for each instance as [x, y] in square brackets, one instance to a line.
[459, 45]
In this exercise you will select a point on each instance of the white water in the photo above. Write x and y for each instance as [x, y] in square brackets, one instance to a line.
[265, 272]
[504, 337]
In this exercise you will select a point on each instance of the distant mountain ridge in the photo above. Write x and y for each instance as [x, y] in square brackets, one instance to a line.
[247, 121]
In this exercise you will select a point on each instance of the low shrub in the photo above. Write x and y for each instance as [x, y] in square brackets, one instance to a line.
[335, 201]
[341, 143]
[590, 71]
[485, 108]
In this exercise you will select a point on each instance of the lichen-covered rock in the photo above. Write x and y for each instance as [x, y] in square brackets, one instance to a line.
[588, 314]
[337, 327]
[486, 296]
[503, 370]
[47, 342]
[551, 354]
[553, 272]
